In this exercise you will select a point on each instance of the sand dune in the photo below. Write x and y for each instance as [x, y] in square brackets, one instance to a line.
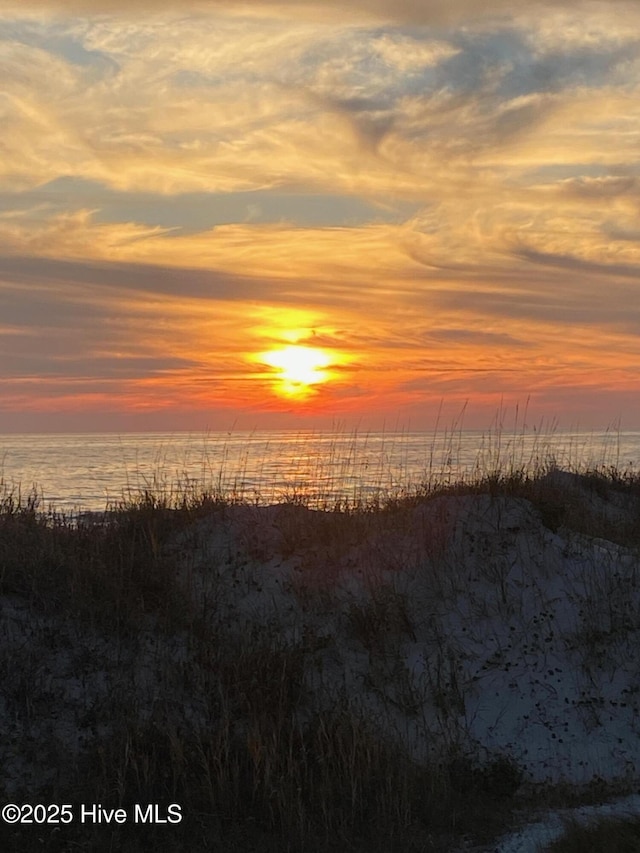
[494, 631]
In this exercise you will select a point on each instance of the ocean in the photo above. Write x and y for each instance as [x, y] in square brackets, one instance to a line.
[90, 472]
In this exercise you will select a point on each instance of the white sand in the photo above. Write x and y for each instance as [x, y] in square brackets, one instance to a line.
[529, 636]
[462, 626]
[495, 635]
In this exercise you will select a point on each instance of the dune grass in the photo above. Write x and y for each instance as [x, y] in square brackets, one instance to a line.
[224, 739]
[146, 658]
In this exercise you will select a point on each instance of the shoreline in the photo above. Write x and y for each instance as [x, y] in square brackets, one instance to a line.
[324, 468]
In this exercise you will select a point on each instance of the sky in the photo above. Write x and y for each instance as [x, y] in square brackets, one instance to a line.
[254, 215]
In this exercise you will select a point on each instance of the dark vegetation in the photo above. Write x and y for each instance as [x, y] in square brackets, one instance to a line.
[122, 686]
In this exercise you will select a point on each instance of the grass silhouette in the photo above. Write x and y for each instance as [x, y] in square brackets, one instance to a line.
[305, 678]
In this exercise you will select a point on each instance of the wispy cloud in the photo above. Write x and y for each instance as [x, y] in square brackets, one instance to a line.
[442, 191]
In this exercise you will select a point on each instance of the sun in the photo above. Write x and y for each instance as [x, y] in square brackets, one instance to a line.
[299, 368]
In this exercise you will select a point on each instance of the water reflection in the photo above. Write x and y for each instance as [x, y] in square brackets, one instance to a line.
[91, 471]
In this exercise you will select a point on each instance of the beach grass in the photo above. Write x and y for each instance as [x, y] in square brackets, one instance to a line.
[305, 678]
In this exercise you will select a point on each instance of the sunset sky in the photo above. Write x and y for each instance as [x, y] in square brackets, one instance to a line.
[291, 214]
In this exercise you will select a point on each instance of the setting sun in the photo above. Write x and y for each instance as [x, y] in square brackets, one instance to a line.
[299, 368]
[218, 213]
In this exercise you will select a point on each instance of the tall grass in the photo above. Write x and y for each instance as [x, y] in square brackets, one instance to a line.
[323, 469]
[146, 658]
[166, 703]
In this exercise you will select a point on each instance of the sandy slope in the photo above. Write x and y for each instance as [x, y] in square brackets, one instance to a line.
[463, 626]
[461, 621]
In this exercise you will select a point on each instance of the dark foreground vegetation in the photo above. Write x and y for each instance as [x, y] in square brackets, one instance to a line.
[192, 651]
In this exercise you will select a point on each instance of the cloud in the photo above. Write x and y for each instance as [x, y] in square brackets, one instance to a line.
[188, 212]
[175, 282]
[601, 188]
[414, 11]
[476, 336]
[571, 262]
[185, 185]
[231, 104]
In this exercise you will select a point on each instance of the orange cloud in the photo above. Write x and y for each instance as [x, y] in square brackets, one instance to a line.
[500, 155]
